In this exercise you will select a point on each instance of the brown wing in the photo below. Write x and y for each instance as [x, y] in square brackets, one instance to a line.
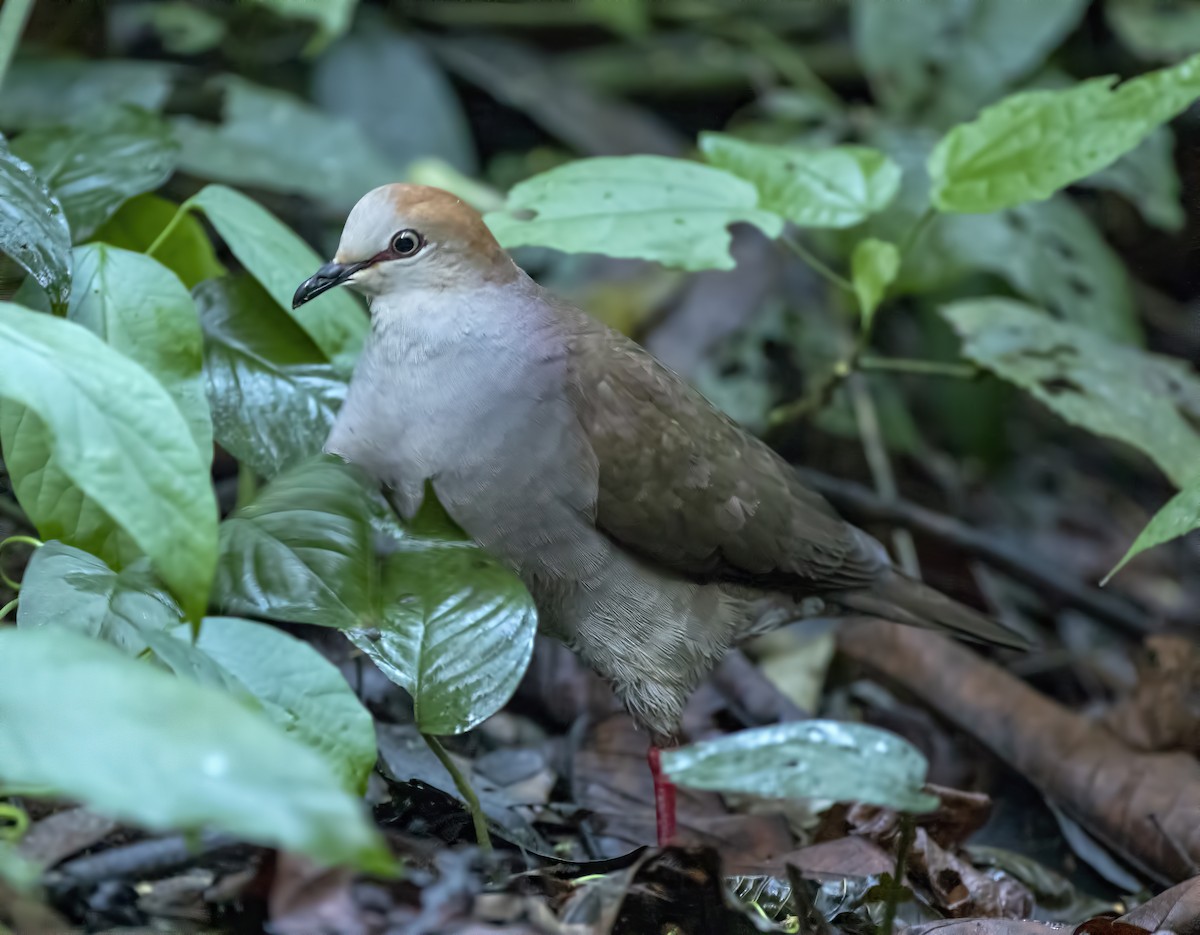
[685, 486]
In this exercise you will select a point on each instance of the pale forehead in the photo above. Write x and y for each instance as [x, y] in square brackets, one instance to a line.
[384, 211]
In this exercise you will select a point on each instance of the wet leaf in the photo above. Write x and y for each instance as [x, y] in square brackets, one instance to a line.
[1031, 144]
[838, 186]
[33, 227]
[280, 261]
[46, 92]
[191, 756]
[273, 393]
[1179, 516]
[186, 251]
[648, 207]
[1109, 389]
[873, 267]
[301, 551]
[120, 439]
[95, 165]
[807, 759]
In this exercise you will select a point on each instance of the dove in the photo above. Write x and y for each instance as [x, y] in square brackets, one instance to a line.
[652, 531]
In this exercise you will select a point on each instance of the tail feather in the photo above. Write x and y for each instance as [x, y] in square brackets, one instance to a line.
[902, 599]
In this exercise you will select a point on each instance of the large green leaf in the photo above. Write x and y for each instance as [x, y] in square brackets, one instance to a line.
[50, 92]
[120, 439]
[300, 690]
[191, 757]
[273, 393]
[1031, 144]
[186, 251]
[808, 759]
[837, 186]
[1146, 175]
[329, 158]
[454, 629]
[646, 207]
[1179, 516]
[33, 227]
[94, 167]
[280, 260]
[1107, 388]
[940, 60]
[302, 550]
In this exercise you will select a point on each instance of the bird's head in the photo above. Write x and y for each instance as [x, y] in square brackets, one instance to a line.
[400, 238]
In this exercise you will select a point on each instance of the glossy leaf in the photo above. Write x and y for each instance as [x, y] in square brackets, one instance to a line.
[300, 690]
[1031, 144]
[1179, 516]
[191, 757]
[838, 186]
[120, 439]
[1146, 176]
[33, 227]
[333, 161]
[94, 167]
[1109, 389]
[186, 251]
[808, 759]
[646, 207]
[280, 260]
[940, 60]
[301, 551]
[873, 267]
[273, 393]
[42, 92]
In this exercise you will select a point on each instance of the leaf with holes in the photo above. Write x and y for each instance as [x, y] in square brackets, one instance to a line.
[33, 227]
[186, 251]
[1179, 516]
[644, 207]
[1109, 389]
[808, 760]
[1031, 144]
[838, 186]
[273, 393]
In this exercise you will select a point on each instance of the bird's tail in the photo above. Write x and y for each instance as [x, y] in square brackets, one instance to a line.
[902, 599]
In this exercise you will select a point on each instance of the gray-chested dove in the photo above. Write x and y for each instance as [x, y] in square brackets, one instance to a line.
[651, 530]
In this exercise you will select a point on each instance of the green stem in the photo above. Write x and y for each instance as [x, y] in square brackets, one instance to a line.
[465, 790]
[166, 232]
[13, 16]
[27, 540]
[247, 486]
[8, 609]
[14, 822]
[928, 368]
[811, 259]
[914, 232]
[907, 829]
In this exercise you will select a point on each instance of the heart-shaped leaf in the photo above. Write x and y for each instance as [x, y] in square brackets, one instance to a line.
[810, 760]
[120, 439]
[192, 757]
[645, 207]
[186, 251]
[92, 168]
[273, 393]
[33, 227]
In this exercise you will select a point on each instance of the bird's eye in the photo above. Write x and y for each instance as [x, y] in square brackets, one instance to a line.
[406, 243]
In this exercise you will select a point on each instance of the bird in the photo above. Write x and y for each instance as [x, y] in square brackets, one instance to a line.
[651, 530]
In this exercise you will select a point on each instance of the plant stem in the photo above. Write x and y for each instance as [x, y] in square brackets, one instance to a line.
[907, 827]
[166, 232]
[811, 259]
[7, 609]
[928, 368]
[27, 540]
[914, 232]
[13, 16]
[247, 487]
[465, 790]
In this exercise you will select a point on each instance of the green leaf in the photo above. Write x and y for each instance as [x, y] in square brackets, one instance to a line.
[940, 60]
[55, 91]
[1146, 176]
[1165, 30]
[331, 16]
[191, 757]
[273, 393]
[186, 251]
[1179, 516]
[329, 159]
[120, 439]
[301, 692]
[33, 227]
[183, 28]
[302, 550]
[454, 629]
[809, 760]
[280, 260]
[1031, 144]
[645, 207]
[873, 267]
[834, 187]
[1109, 389]
[94, 167]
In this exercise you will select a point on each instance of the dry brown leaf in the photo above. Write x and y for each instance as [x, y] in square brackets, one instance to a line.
[1163, 712]
[1174, 910]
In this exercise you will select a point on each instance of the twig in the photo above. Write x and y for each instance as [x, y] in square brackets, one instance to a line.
[925, 368]
[812, 260]
[864, 504]
[145, 858]
[906, 836]
[13, 16]
[465, 790]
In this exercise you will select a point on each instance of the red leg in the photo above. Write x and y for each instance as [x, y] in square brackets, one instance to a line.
[664, 798]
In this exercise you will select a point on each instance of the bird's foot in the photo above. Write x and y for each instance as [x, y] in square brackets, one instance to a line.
[664, 798]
